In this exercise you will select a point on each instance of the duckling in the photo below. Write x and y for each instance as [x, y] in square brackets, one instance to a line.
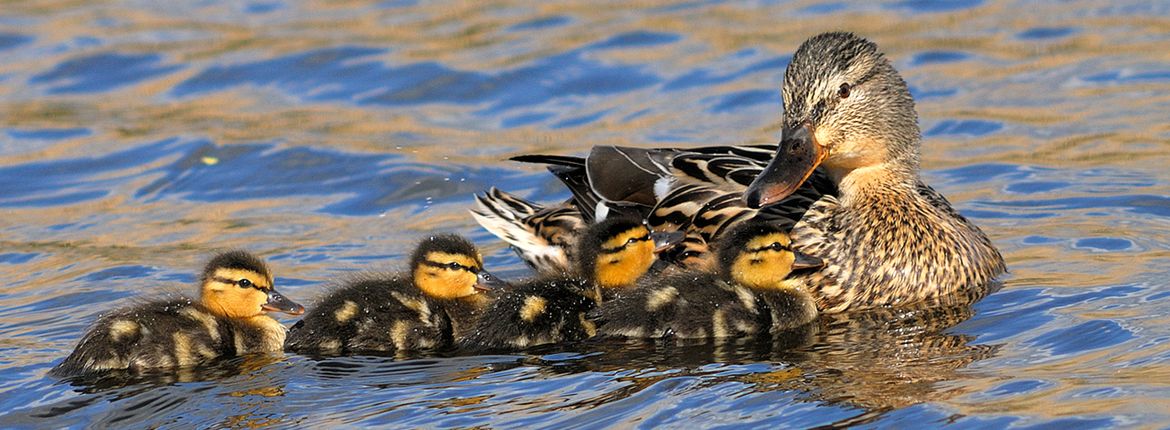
[229, 319]
[429, 306]
[753, 293]
[847, 171]
[611, 256]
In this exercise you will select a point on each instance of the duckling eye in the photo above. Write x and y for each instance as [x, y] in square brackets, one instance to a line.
[244, 283]
[637, 239]
[843, 92]
[690, 254]
[776, 246]
[454, 266]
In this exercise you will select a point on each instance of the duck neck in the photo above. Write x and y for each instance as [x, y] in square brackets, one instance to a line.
[858, 186]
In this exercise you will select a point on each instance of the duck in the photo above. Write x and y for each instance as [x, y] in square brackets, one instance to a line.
[434, 302]
[611, 256]
[846, 172]
[751, 293]
[230, 318]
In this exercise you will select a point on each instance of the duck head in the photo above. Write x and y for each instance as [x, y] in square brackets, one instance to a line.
[449, 267]
[237, 284]
[845, 108]
[616, 252]
[759, 255]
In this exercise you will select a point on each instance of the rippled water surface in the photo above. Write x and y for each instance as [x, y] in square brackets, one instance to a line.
[136, 138]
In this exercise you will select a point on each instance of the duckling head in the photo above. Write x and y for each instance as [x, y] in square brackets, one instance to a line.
[237, 284]
[844, 107]
[616, 252]
[759, 255]
[449, 267]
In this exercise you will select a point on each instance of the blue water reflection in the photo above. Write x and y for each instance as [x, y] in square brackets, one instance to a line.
[102, 72]
[136, 140]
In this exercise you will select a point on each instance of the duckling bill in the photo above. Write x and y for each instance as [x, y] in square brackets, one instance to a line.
[435, 302]
[229, 319]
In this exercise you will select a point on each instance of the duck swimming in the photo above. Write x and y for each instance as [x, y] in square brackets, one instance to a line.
[429, 306]
[752, 293]
[611, 256]
[850, 142]
[229, 319]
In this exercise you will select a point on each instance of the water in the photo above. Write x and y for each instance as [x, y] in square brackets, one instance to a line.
[137, 138]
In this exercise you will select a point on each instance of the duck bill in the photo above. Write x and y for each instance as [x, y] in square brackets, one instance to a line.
[279, 303]
[796, 157]
[485, 281]
[665, 240]
[804, 262]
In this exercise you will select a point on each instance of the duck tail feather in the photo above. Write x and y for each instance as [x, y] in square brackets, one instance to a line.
[505, 215]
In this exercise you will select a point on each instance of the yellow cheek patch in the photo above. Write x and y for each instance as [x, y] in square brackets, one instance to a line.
[440, 257]
[234, 302]
[444, 283]
[762, 270]
[624, 268]
[625, 236]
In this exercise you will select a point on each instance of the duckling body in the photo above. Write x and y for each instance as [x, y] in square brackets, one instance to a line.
[751, 295]
[428, 307]
[612, 256]
[228, 320]
[536, 312]
[685, 305]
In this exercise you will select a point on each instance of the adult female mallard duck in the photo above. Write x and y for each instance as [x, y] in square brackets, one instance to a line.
[850, 138]
[429, 306]
[751, 294]
[229, 319]
[611, 256]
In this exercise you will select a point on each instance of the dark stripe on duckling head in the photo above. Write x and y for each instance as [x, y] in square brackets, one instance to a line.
[242, 283]
[238, 260]
[448, 244]
[736, 241]
[450, 265]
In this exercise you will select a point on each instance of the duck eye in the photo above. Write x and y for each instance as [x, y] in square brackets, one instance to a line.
[843, 92]
[776, 246]
[454, 266]
[244, 283]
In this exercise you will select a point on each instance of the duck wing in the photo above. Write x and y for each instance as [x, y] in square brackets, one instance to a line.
[573, 173]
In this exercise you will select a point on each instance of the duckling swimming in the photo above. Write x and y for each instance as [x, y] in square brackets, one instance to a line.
[611, 256]
[429, 306]
[229, 319]
[751, 294]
